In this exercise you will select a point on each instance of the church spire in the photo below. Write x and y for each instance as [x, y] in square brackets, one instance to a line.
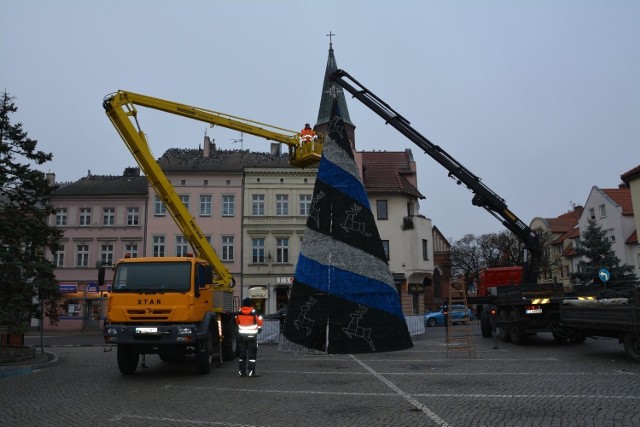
[330, 91]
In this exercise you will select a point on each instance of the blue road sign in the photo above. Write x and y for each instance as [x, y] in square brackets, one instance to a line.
[604, 275]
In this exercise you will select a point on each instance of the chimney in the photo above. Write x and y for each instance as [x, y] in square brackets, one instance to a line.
[131, 171]
[51, 178]
[207, 146]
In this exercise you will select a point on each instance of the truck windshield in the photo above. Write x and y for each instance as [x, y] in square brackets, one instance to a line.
[153, 277]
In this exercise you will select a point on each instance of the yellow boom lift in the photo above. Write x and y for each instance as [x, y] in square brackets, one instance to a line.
[188, 307]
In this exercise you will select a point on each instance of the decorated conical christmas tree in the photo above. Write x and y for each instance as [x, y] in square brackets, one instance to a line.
[343, 298]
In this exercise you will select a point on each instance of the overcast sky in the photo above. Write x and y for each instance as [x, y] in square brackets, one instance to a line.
[541, 99]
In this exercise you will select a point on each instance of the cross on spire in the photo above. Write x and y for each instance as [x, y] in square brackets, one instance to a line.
[330, 35]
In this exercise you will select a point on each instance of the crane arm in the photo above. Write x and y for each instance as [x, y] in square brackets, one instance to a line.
[121, 110]
[301, 155]
[483, 195]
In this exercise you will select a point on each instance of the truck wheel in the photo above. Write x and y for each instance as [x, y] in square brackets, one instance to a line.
[204, 354]
[485, 324]
[632, 346]
[128, 357]
[229, 341]
[504, 330]
[515, 331]
[577, 338]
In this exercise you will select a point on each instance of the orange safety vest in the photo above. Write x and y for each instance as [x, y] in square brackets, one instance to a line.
[307, 134]
[248, 321]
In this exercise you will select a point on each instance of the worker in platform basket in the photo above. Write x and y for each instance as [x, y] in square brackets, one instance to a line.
[307, 134]
[249, 326]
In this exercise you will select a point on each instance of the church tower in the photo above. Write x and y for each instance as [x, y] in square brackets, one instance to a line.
[329, 91]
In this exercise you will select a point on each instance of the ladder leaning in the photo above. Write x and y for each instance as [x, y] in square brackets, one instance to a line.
[459, 333]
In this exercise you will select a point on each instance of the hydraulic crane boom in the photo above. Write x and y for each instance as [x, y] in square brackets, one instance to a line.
[121, 110]
[483, 195]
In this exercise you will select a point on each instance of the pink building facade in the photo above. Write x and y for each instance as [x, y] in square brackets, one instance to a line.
[102, 218]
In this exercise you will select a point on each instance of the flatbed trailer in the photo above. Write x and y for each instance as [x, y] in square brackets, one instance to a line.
[605, 318]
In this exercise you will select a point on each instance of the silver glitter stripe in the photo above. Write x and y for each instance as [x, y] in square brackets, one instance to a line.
[318, 247]
[338, 157]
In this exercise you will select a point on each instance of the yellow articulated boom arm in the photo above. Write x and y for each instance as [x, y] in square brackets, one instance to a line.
[121, 110]
[300, 155]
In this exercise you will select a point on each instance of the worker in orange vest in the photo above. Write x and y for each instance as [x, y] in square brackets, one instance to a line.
[307, 134]
[249, 326]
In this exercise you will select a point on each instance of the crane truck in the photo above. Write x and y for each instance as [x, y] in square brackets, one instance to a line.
[509, 299]
[178, 306]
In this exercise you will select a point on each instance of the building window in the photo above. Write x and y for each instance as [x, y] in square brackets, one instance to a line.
[131, 250]
[61, 217]
[82, 255]
[258, 251]
[58, 257]
[282, 204]
[158, 246]
[158, 207]
[305, 204]
[205, 205]
[182, 247]
[185, 200]
[603, 211]
[227, 248]
[592, 213]
[282, 250]
[425, 249]
[381, 209]
[257, 205]
[228, 205]
[133, 216]
[611, 235]
[106, 254]
[109, 217]
[85, 217]
[385, 246]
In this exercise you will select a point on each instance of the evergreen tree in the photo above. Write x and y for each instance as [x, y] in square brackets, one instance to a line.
[596, 248]
[26, 276]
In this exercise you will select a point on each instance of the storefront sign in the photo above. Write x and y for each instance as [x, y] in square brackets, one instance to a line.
[65, 288]
[258, 292]
[284, 280]
[92, 288]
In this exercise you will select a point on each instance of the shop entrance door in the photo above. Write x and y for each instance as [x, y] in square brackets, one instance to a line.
[282, 297]
[94, 313]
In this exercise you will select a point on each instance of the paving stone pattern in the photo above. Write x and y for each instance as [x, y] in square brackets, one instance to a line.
[540, 384]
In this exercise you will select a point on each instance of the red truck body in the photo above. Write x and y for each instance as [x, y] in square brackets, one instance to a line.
[499, 276]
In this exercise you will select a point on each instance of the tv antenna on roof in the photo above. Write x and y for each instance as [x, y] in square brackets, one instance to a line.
[240, 140]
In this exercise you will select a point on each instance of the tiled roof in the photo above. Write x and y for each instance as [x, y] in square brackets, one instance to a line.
[633, 238]
[574, 232]
[565, 222]
[104, 185]
[569, 251]
[626, 177]
[192, 160]
[622, 197]
[386, 172]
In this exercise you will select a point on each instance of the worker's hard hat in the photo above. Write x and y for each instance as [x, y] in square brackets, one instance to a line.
[307, 125]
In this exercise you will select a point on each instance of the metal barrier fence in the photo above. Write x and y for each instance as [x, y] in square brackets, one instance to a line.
[271, 328]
